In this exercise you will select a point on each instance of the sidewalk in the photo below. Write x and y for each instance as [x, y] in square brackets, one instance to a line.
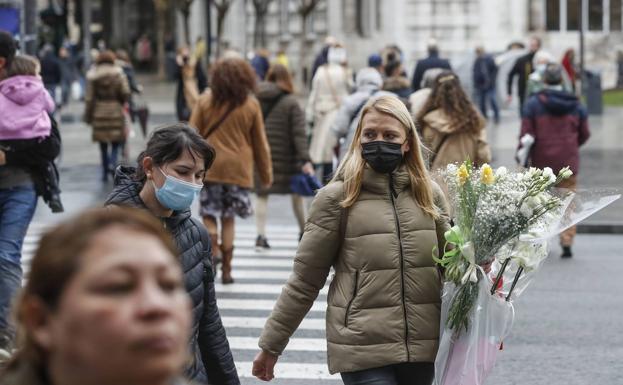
[601, 157]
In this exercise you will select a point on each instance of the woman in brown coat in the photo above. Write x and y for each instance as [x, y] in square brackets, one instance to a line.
[450, 126]
[229, 117]
[107, 92]
[285, 128]
[376, 224]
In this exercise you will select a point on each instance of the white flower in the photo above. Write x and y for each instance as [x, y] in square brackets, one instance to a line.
[501, 172]
[566, 173]
[529, 255]
[549, 174]
[451, 168]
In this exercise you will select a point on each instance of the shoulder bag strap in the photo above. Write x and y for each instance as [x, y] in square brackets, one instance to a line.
[434, 156]
[266, 111]
[216, 125]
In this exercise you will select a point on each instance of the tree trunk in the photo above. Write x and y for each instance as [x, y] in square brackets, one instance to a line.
[161, 21]
[186, 16]
[304, 59]
[220, 21]
[259, 33]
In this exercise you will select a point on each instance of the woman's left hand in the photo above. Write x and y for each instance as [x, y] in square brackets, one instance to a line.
[308, 168]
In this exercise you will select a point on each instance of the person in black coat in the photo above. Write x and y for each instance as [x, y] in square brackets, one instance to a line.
[183, 59]
[485, 74]
[432, 61]
[522, 69]
[175, 159]
[51, 70]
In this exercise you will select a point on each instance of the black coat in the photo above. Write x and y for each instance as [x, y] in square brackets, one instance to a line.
[51, 71]
[37, 157]
[182, 109]
[433, 61]
[522, 69]
[484, 73]
[208, 343]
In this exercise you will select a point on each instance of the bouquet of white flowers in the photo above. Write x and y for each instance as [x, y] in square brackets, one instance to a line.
[502, 220]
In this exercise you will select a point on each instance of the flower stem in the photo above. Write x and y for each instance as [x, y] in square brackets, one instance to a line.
[508, 297]
[499, 276]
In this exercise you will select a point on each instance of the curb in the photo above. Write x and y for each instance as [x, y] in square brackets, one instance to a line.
[600, 228]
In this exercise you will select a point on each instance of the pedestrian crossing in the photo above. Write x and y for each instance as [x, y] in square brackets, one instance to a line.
[245, 305]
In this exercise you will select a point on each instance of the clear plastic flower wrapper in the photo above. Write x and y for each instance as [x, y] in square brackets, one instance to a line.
[503, 220]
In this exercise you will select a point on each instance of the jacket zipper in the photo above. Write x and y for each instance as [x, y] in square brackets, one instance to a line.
[402, 263]
[352, 298]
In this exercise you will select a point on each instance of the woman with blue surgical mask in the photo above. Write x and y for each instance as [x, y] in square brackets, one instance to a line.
[167, 180]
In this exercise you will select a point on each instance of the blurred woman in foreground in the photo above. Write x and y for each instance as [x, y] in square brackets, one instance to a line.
[107, 307]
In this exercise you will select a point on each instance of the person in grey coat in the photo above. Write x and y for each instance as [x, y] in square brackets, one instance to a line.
[368, 83]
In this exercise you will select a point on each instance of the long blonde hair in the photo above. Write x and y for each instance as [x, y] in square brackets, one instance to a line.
[351, 168]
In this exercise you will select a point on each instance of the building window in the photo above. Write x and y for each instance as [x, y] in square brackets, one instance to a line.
[615, 15]
[552, 15]
[573, 15]
[595, 15]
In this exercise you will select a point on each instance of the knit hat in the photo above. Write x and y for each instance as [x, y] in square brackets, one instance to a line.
[375, 60]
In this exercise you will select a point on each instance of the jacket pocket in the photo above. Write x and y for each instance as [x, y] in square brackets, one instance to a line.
[350, 303]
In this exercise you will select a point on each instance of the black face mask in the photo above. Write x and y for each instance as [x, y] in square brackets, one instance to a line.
[382, 156]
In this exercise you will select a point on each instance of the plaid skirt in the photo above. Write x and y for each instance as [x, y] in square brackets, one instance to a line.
[225, 201]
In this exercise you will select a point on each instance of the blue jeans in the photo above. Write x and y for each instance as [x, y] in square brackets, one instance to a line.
[17, 207]
[109, 159]
[485, 96]
[408, 373]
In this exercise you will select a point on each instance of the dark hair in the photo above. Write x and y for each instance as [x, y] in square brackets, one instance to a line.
[58, 258]
[232, 79]
[106, 57]
[7, 47]
[553, 74]
[167, 143]
[279, 74]
[391, 66]
[448, 96]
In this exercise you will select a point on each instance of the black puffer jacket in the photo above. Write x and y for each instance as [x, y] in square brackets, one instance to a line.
[208, 345]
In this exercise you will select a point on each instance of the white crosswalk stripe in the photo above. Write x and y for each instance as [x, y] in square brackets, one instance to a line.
[260, 276]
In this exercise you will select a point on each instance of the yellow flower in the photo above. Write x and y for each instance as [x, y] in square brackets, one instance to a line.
[462, 174]
[486, 174]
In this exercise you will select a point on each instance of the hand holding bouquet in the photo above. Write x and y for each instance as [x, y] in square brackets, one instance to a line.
[502, 220]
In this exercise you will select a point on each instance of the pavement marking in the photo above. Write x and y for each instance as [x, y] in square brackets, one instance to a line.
[251, 252]
[258, 323]
[262, 262]
[293, 371]
[260, 274]
[295, 344]
[255, 288]
[260, 304]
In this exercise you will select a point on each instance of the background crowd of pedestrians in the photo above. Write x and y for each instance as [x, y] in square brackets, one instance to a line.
[244, 129]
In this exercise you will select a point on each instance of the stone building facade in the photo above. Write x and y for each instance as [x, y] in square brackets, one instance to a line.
[366, 26]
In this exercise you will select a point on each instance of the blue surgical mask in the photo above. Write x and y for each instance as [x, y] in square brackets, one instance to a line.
[176, 194]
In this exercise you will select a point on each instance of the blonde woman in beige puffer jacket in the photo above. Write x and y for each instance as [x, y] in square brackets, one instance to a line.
[376, 224]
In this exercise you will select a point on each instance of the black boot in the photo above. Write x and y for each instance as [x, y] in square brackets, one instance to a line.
[261, 243]
[566, 252]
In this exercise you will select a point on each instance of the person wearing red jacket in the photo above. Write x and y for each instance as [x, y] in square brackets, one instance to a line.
[557, 123]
